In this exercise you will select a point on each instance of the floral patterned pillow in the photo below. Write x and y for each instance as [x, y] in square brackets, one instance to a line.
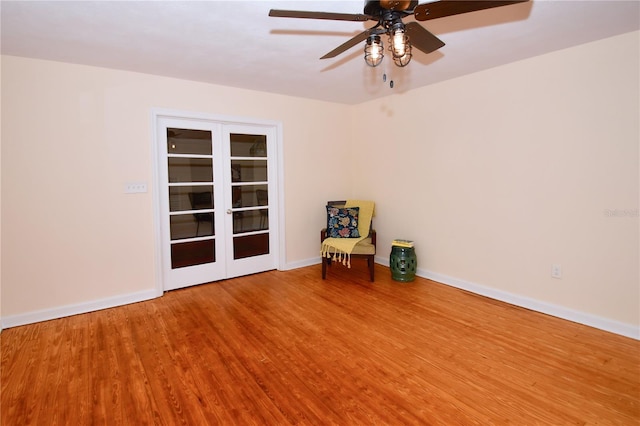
[342, 222]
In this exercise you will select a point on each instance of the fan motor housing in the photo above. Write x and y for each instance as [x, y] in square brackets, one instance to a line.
[376, 7]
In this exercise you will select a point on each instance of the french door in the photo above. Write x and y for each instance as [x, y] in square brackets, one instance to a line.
[217, 193]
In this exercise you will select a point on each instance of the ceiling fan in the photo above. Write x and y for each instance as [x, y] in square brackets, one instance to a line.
[389, 15]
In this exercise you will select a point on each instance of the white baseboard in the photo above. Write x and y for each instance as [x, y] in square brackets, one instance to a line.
[605, 324]
[301, 263]
[80, 308]
[562, 312]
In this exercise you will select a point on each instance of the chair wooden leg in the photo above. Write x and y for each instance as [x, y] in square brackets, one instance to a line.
[370, 262]
[324, 267]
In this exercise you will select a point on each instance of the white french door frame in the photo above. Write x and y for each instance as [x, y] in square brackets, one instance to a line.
[276, 209]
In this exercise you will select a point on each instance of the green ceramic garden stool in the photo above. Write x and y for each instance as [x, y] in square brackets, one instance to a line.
[403, 263]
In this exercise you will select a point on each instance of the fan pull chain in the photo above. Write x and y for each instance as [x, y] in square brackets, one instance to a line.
[384, 80]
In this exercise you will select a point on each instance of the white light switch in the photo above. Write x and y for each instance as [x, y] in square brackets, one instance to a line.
[556, 271]
[135, 187]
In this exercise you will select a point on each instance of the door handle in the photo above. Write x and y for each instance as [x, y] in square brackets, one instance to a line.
[229, 211]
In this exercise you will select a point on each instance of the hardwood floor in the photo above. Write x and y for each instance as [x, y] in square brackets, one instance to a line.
[290, 348]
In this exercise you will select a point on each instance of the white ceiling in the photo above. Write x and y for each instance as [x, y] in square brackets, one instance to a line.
[236, 43]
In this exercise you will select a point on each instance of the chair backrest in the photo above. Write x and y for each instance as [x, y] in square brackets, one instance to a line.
[339, 203]
[200, 200]
[263, 197]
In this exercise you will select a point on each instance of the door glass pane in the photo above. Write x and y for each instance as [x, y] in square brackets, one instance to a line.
[192, 253]
[250, 245]
[250, 220]
[248, 145]
[184, 226]
[190, 198]
[187, 141]
[190, 170]
[249, 195]
[248, 170]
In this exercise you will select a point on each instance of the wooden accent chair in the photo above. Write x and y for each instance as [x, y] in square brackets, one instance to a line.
[364, 249]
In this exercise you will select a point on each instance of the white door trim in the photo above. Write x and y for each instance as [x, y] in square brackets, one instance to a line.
[157, 113]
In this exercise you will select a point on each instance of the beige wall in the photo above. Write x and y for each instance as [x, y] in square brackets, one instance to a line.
[0, 195]
[500, 174]
[496, 176]
[73, 135]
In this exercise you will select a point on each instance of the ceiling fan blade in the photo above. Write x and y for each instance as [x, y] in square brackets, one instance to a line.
[421, 38]
[440, 9]
[347, 45]
[319, 15]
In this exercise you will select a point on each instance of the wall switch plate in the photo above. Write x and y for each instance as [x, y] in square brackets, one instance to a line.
[556, 271]
[135, 187]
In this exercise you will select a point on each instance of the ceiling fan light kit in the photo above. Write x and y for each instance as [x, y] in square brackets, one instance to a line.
[400, 46]
[398, 40]
[389, 15]
[373, 51]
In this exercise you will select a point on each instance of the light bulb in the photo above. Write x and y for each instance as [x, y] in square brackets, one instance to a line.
[373, 51]
[398, 43]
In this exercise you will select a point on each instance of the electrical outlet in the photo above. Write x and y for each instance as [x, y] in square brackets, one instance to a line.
[135, 187]
[556, 271]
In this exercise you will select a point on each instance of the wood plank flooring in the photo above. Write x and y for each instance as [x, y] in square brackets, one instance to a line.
[283, 348]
